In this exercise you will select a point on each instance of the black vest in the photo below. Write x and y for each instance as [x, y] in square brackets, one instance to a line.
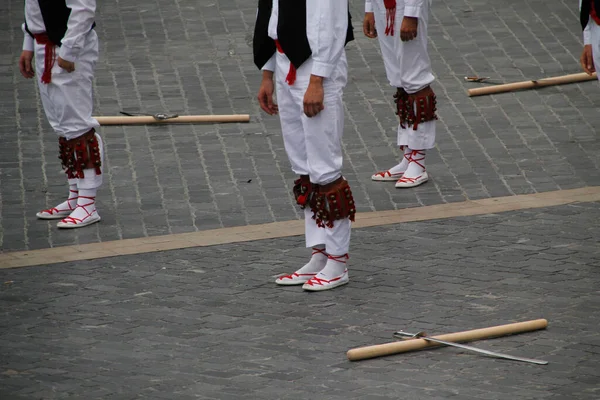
[291, 32]
[55, 14]
[584, 17]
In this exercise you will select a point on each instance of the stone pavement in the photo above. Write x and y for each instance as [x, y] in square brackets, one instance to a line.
[208, 323]
[193, 57]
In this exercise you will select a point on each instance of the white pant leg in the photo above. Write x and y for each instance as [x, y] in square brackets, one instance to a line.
[413, 56]
[336, 239]
[321, 154]
[421, 139]
[67, 99]
[407, 66]
[595, 42]
[325, 130]
[387, 44]
[314, 235]
[92, 180]
[316, 152]
[290, 116]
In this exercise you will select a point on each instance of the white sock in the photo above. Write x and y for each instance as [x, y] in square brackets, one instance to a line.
[86, 205]
[317, 261]
[416, 164]
[71, 201]
[335, 267]
[400, 168]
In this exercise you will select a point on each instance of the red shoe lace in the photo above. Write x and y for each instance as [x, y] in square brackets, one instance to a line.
[316, 250]
[409, 180]
[53, 210]
[416, 160]
[75, 221]
[319, 281]
[412, 159]
[341, 259]
[297, 275]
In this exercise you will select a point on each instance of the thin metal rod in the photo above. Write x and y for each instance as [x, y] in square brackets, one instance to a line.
[420, 335]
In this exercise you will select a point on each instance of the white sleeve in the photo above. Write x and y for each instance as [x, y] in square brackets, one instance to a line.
[326, 29]
[270, 65]
[368, 6]
[79, 24]
[586, 32]
[587, 38]
[27, 39]
[413, 8]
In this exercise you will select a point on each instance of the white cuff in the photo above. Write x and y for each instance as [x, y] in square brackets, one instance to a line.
[68, 54]
[587, 36]
[368, 7]
[28, 43]
[411, 11]
[270, 65]
[322, 69]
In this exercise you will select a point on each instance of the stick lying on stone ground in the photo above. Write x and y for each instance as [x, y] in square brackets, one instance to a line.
[423, 335]
[509, 87]
[386, 349]
[143, 120]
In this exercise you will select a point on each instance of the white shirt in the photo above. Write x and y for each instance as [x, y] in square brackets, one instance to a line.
[326, 29]
[79, 25]
[412, 8]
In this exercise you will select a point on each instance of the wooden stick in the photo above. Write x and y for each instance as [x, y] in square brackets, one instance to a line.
[137, 120]
[557, 80]
[363, 353]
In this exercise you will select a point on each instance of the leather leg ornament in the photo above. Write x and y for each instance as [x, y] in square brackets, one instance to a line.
[87, 152]
[303, 190]
[415, 108]
[332, 202]
[67, 157]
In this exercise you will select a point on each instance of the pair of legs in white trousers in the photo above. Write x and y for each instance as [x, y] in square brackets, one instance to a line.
[68, 105]
[313, 146]
[408, 67]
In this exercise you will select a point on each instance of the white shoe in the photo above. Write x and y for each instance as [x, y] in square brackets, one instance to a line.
[412, 182]
[317, 262]
[71, 222]
[294, 279]
[53, 213]
[62, 210]
[317, 284]
[386, 176]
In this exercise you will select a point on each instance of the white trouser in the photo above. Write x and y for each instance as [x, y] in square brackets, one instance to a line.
[595, 42]
[407, 66]
[314, 145]
[67, 99]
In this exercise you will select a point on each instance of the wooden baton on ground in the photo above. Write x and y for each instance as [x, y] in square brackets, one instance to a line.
[378, 350]
[508, 87]
[141, 120]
